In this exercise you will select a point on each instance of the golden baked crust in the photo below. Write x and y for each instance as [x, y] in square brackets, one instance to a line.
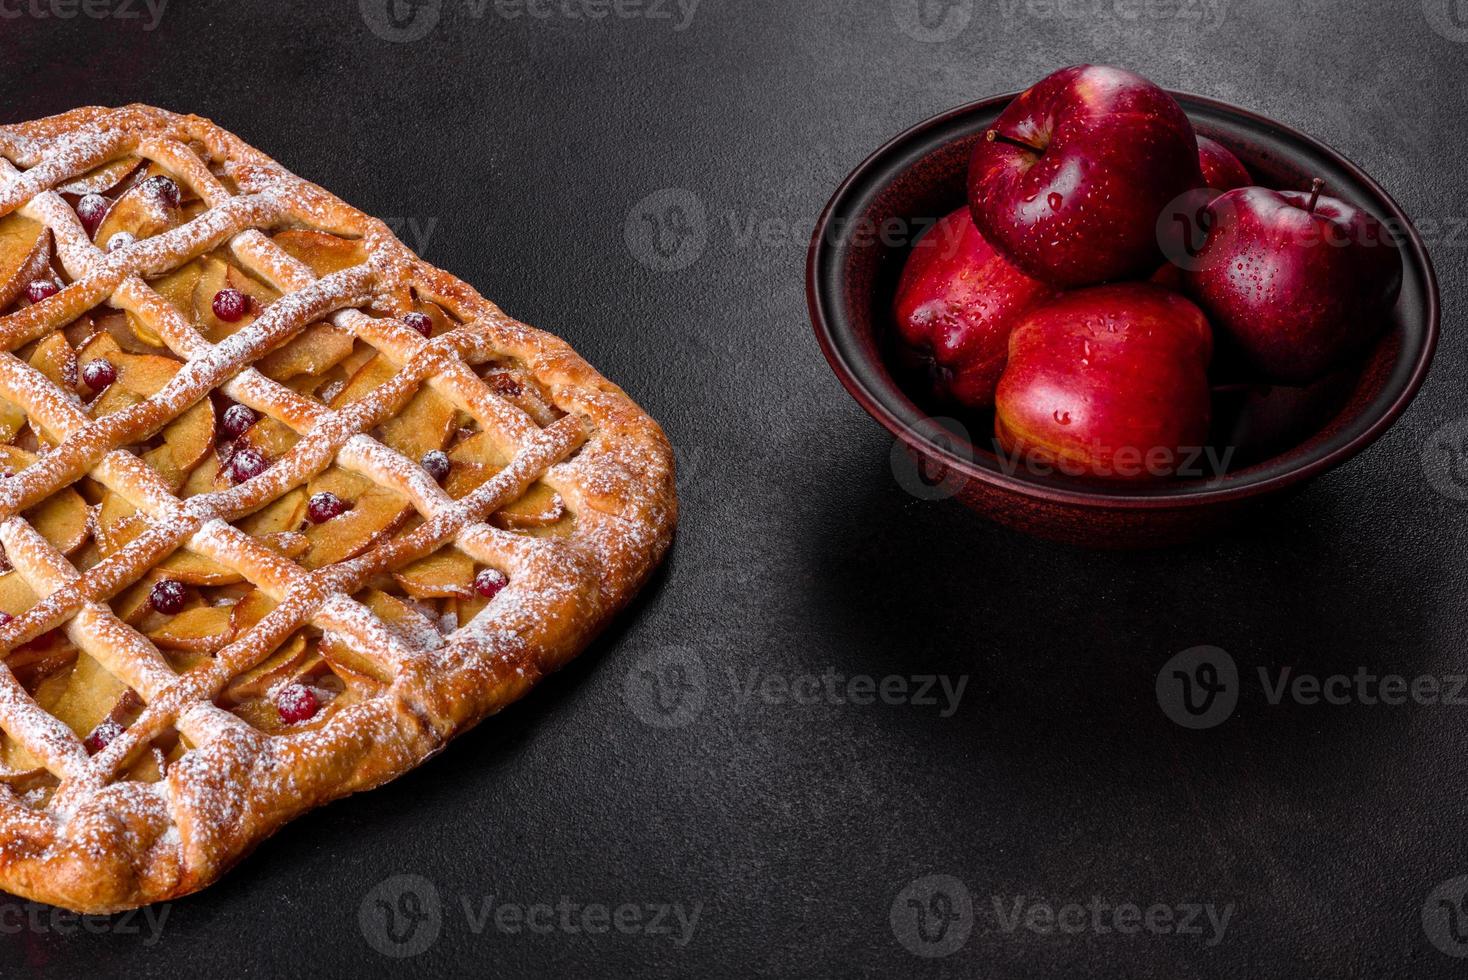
[94, 837]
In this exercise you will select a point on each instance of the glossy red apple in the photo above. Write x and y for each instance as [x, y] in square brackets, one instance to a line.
[1073, 177]
[1222, 171]
[1296, 282]
[1110, 381]
[955, 305]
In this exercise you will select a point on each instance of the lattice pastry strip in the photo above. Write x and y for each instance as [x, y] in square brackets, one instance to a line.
[103, 839]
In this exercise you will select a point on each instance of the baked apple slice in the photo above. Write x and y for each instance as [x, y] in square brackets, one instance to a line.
[446, 574]
[144, 209]
[321, 252]
[475, 460]
[316, 350]
[61, 518]
[25, 254]
[375, 512]
[54, 358]
[100, 180]
[202, 629]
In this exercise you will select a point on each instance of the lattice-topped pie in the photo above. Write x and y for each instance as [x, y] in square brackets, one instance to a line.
[283, 507]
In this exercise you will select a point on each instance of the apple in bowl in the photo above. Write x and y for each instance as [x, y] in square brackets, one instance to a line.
[956, 302]
[1109, 381]
[1070, 181]
[1297, 283]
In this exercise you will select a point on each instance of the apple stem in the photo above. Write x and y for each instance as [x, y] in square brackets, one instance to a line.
[994, 136]
[1315, 186]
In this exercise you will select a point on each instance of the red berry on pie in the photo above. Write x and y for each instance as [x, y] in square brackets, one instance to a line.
[98, 374]
[102, 736]
[246, 465]
[489, 582]
[502, 383]
[5, 618]
[230, 305]
[296, 702]
[168, 596]
[420, 322]
[120, 240]
[162, 188]
[237, 418]
[437, 464]
[92, 208]
[323, 506]
[41, 289]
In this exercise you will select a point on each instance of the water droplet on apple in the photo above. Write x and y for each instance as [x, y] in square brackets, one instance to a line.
[1062, 417]
[1055, 201]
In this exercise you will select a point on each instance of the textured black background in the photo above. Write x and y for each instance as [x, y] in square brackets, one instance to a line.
[521, 147]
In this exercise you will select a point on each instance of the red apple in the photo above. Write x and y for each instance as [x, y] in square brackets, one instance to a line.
[1073, 177]
[1298, 283]
[1222, 171]
[1110, 381]
[955, 304]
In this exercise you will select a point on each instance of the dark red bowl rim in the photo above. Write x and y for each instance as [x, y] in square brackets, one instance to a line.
[1119, 497]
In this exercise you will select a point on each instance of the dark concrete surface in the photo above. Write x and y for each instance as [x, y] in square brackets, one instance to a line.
[520, 152]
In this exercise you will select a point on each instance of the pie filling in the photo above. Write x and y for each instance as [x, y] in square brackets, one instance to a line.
[189, 606]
